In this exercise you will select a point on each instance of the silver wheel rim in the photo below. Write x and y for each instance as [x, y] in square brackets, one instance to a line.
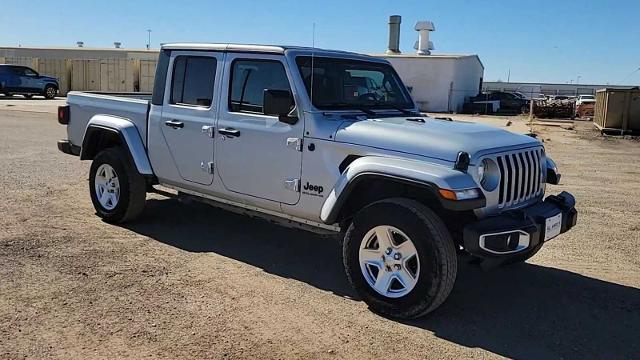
[107, 187]
[389, 261]
[51, 92]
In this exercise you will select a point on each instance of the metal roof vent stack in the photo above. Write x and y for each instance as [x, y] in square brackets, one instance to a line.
[423, 45]
[80, 43]
[117, 44]
[394, 34]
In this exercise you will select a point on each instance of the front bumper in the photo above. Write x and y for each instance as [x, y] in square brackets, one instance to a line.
[520, 231]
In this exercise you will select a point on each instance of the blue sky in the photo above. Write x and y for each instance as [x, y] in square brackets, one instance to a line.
[540, 40]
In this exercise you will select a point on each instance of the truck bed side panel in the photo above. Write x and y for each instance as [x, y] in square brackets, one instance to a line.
[83, 106]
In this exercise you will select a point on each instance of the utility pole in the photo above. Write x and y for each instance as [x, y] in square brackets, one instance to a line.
[509, 75]
[578, 79]
[149, 39]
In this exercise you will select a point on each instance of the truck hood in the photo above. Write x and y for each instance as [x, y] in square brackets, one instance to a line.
[434, 138]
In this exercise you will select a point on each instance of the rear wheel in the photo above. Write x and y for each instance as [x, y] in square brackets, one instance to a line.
[400, 258]
[118, 191]
[50, 92]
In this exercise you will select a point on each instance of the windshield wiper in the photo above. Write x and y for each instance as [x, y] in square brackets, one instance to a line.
[350, 107]
[364, 110]
[404, 111]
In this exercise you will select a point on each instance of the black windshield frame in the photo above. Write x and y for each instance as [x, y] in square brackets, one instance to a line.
[326, 97]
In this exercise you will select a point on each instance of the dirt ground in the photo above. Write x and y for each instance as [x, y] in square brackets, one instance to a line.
[191, 281]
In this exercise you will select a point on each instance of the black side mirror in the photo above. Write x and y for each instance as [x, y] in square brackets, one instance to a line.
[279, 103]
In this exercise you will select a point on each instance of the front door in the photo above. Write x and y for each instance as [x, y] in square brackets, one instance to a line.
[257, 154]
[188, 113]
[30, 82]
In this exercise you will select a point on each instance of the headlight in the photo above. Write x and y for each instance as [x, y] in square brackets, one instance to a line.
[489, 174]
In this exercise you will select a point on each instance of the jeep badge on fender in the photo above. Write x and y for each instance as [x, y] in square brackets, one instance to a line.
[314, 188]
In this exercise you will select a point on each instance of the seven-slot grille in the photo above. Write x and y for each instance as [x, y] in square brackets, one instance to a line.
[520, 176]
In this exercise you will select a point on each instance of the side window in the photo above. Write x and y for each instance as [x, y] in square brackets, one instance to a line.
[18, 71]
[29, 72]
[249, 79]
[193, 80]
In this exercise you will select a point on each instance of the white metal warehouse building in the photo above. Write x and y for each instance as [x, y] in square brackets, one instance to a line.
[439, 83]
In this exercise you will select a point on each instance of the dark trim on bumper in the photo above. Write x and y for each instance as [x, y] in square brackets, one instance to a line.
[68, 148]
[530, 220]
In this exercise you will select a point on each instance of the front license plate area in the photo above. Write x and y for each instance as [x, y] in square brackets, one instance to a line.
[553, 225]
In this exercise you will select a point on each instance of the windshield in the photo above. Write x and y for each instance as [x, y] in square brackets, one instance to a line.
[343, 84]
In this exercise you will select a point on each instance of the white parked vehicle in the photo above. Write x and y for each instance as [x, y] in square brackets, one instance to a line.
[585, 99]
[327, 141]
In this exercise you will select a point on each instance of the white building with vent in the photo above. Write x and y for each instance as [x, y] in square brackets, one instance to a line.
[438, 82]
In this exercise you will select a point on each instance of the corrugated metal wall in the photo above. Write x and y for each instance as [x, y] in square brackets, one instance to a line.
[146, 74]
[85, 75]
[24, 61]
[116, 75]
[58, 68]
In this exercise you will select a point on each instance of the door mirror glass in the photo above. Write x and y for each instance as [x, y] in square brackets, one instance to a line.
[279, 103]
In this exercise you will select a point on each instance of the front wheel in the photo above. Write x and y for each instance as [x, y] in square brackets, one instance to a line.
[50, 92]
[400, 258]
[118, 191]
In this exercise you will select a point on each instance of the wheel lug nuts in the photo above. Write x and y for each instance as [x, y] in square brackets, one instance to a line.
[397, 256]
[397, 266]
[388, 252]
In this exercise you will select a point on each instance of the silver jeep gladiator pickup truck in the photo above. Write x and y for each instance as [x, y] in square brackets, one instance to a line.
[327, 141]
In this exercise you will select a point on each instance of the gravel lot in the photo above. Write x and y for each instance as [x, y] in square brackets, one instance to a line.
[188, 280]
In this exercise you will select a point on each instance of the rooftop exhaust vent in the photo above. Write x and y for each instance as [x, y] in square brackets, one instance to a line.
[394, 34]
[423, 45]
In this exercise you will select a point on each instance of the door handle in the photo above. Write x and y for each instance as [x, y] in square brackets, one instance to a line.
[174, 124]
[229, 132]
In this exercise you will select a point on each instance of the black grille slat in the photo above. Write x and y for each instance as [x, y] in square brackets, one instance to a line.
[502, 180]
[528, 155]
[516, 183]
[536, 172]
[523, 180]
[508, 177]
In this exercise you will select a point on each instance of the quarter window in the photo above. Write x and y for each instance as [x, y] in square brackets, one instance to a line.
[249, 80]
[193, 79]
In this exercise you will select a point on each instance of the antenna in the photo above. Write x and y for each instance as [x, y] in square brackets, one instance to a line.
[313, 50]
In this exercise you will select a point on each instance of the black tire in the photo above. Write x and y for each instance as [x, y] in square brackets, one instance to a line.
[132, 186]
[434, 247]
[50, 92]
[28, 96]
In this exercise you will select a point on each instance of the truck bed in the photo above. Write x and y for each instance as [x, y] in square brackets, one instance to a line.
[84, 105]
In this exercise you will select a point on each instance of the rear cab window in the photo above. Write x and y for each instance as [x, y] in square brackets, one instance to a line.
[193, 81]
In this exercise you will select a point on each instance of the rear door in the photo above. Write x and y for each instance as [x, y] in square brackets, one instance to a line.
[188, 113]
[14, 78]
[257, 154]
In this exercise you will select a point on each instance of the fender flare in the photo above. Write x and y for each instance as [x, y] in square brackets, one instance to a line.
[419, 173]
[128, 134]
